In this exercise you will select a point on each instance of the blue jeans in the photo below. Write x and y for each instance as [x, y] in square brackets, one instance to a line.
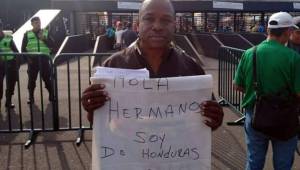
[257, 146]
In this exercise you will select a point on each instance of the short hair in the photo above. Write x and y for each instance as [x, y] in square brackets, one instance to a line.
[128, 25]
[119, 23]
[277, 31]
[146, 2]
[35, 19]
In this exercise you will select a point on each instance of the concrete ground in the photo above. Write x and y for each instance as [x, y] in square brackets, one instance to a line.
[57, 150]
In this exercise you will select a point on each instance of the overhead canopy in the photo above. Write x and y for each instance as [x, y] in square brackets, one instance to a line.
[46, 16]
[182, 5]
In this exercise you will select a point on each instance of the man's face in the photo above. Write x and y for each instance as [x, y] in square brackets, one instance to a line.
[156, 25]
[295, 36]
[36, 25]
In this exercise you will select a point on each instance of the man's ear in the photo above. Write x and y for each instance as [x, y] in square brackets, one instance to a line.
[288, 32]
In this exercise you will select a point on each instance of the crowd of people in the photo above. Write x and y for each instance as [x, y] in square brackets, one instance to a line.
[121, 35]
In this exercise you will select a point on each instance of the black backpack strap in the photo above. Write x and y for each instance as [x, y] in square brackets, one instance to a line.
[255, 83]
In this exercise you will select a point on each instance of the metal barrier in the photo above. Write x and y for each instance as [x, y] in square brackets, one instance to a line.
[228, 61]
[71, 74]
[103, 44]
[72, 71]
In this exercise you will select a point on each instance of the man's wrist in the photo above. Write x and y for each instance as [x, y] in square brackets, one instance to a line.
[90, 116]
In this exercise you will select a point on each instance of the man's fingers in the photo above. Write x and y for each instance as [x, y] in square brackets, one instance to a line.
[212, 124]
[92, 107]
[213, 111]
[213, 116]
[210, 103]
[94, 97]
[211, 107]
[98, 100]
[94, 87]
[94, 101]
[93, 94]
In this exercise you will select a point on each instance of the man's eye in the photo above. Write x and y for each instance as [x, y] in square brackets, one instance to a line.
[149, 19]
[166, 20]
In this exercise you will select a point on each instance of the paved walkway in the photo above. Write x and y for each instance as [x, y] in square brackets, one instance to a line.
[59, 151]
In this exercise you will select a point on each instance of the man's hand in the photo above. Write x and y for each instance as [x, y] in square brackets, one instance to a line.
[214, 112]
[238, 88]
[41, 36]
[93, 97]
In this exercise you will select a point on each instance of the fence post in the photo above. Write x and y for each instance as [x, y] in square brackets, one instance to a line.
[228, 60]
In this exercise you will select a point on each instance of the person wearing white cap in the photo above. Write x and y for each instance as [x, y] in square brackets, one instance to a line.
[276, 66]
[294, 43]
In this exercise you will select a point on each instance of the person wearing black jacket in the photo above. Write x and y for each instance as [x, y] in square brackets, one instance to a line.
[8, 67]
[38, 40]
[128, 36]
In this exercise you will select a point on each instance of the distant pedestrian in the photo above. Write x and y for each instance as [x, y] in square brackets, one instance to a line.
[8, 67]
[294, 43]
[110, 32]
[118, 35]
[38, 40]
[128, 36]
[261, 28]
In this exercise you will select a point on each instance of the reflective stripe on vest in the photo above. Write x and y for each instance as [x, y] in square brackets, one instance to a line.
[5, 47]
[36, 45]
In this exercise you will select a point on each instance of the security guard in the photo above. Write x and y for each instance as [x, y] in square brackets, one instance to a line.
[38, 40]
[8, 67]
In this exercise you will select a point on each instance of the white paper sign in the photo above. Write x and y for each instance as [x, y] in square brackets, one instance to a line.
[117, 72]
[152, 124]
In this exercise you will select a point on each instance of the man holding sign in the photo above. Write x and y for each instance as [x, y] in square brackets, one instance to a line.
[154, 51]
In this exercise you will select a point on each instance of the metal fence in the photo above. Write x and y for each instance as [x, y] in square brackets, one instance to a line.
[70, 74]
[228, 61]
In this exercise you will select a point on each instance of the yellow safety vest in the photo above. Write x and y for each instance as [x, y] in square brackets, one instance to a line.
[5, 47]
[36, 45]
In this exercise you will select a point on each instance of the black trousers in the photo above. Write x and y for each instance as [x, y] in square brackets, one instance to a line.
[36, 65]
[9, 70]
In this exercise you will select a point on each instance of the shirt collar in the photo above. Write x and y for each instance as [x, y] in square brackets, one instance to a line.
[137, 48]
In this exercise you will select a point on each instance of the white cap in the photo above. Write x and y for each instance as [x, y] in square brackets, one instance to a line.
[297, 21]
[281, 20]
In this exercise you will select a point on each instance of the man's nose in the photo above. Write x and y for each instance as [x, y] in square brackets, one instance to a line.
[157, 25]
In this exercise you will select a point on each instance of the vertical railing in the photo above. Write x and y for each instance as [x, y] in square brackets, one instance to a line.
[228, 61]
[32, 117]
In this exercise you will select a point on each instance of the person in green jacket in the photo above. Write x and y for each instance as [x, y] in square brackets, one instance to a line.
[38, 40]
[277, 66]
[8, 67]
